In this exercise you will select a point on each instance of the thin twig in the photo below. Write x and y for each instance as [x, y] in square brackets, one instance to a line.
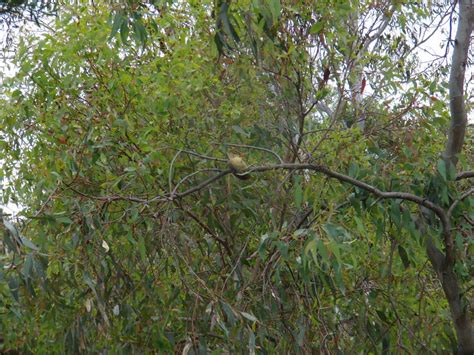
[462, 197]
[256, 148]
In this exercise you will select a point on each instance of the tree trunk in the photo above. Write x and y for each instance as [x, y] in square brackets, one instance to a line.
[445, 266]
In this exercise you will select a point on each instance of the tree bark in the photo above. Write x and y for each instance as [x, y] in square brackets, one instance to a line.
[458, 124]
[444, 266]
[459, 312]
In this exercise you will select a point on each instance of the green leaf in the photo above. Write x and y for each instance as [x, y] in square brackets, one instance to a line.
[64, 220]
[142, 248]
[442, 169]
[14, 285]
[88, 281]
[301, 334]
[28, 243]
[311, 250]
[322, 251]
[403, 256]
[249, 316]
[354, 170]
[316, 27]
[275, 8]
[265, 241]
[28, 266]
[229, 313]
[334, 247]
[283, 249]
[239, 130]
[395, 213]
[227, 26]
[408, 223]
[339, 282]
[9, 241]
[298, 191]
[40, 264]
[11, 228]
[140, 31]
[219, 44]
[360, 226]
[338, 233]
[124, 30]
[118, 21]
[252, 346]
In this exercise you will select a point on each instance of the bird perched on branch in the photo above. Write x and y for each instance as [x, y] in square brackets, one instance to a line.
[237, 166]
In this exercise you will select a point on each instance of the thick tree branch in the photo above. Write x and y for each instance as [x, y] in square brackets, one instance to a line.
[338, 176]
[454, 144]
[457, 129]
[313, 167]
[344, 178]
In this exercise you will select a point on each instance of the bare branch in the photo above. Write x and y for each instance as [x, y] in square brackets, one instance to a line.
[344, 178]
[338, 176]
[256, 148]
[313, 167]
[465, 175]
[195, 188]
[180, 182]
[202, 156]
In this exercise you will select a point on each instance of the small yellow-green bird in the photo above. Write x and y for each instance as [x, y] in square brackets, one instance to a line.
[237, 166]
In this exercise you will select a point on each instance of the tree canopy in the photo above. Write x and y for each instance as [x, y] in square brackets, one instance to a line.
[349, 229]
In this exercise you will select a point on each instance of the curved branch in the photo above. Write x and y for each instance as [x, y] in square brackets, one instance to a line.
[338, 176]
[465, 175]
[440, 213]
[256, 148]
[291, 166]
[202, 156]
[173, 193]
[195, 188]
[369, 188]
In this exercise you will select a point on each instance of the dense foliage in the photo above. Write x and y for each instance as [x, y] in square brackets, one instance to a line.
[133, 236]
